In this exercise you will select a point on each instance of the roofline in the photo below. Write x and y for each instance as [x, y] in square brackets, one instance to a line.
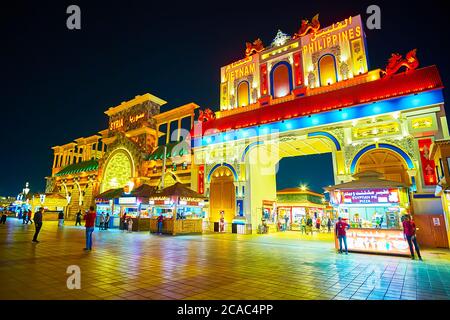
[137, 100]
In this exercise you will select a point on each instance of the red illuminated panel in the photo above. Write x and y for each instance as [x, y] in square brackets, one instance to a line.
[298, 69]
[263, 82]
[428, 166]
[201, 179]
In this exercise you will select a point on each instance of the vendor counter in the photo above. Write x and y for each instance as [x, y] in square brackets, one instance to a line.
[139, 224]
[178, 226]
[379, 241]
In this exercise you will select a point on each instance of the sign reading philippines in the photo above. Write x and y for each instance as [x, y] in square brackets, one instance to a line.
[367, 196]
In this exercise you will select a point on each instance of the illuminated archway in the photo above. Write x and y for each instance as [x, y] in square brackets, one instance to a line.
[243, 94]
[386, 162]
[119, 170]
[222, 195]
[327, 70]
[281, 79]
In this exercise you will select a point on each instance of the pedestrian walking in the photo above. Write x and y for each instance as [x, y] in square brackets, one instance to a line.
[24, 217]
[78, 218]
[329, 224]
[341, 232]
[60, 218]
[309, 224]
[160, 223]
[409, 232]
[318, 224]
[102, 221]
[3, 218]
[124, 222]
[303, 225]
[130, 224]
[89, 217]
[107, 221]
[29, 217]
[37, 223]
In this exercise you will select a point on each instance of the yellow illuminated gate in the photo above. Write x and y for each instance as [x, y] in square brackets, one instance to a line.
[222, 195]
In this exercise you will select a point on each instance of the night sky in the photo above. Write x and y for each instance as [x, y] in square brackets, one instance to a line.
[56, 83]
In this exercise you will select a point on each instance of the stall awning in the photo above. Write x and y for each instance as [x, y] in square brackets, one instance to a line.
[90, 165]
[178, 190]
[144, 191]
[110, 194]
[367, 180]
[173, 149]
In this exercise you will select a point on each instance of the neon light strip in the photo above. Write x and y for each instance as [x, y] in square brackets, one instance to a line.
[325, 118]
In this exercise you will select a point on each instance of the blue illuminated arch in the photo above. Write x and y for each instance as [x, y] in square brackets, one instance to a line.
[247, 148]
[289, 74]
[397, 150]
[335, 66]
[327, 135]
[229, 166]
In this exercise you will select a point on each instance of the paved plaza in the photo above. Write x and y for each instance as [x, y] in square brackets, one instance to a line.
[212, 266]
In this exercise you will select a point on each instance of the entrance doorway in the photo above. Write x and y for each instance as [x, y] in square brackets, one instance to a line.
[222, 196]
[386, 162]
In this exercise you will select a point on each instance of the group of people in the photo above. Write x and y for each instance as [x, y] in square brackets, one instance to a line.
[308, 223]
[26, 217]
[127, 223]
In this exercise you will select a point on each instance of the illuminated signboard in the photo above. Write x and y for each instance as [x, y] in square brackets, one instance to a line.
[334, 53]
[377, 241]
[127, 200]
[239, 83]
[428, 165]
[365, 196]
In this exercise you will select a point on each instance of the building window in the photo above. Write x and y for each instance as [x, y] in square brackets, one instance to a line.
[327, 70]
[243, 94]
[281, 80]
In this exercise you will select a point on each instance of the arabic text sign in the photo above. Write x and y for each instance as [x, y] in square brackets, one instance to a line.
[369, 196]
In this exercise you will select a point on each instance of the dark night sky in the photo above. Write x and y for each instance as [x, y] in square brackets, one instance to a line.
[57, 83]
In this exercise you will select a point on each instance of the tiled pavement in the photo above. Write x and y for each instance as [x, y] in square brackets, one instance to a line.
[214, 266]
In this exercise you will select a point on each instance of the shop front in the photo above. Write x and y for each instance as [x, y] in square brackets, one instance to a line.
[295, 204]
[182, 210]
[374, 213]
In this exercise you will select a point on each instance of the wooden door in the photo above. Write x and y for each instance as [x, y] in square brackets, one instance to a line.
[431, 231]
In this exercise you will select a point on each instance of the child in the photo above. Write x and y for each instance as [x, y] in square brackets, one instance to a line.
[130, 225]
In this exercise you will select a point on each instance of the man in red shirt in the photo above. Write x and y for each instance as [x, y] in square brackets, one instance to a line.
[409, 232]
[341, 232]
[89, 217]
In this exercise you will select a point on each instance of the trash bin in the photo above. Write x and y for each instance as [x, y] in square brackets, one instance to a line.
[216, 226]
[234, 228]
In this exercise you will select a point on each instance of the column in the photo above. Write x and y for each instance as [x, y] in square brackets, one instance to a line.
[179, 129]
[168, 133]
[54, 159]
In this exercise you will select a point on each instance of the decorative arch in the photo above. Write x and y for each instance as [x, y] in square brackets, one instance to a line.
[326, 135]
[273, 80]
[243, 93]
[400, 152]
[119, 156]
[229, 166]
[324, 64]
[249, 147]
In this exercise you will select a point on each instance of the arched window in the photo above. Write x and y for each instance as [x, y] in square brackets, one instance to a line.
[327, 70]
[281, 79]
[243, 94]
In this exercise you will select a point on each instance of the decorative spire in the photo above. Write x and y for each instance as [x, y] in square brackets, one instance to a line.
[280, 39]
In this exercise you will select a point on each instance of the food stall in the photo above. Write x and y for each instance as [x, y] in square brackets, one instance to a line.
[53, 204]
[181, 207]
[120, 202]
[373, 208]
[298, 203]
